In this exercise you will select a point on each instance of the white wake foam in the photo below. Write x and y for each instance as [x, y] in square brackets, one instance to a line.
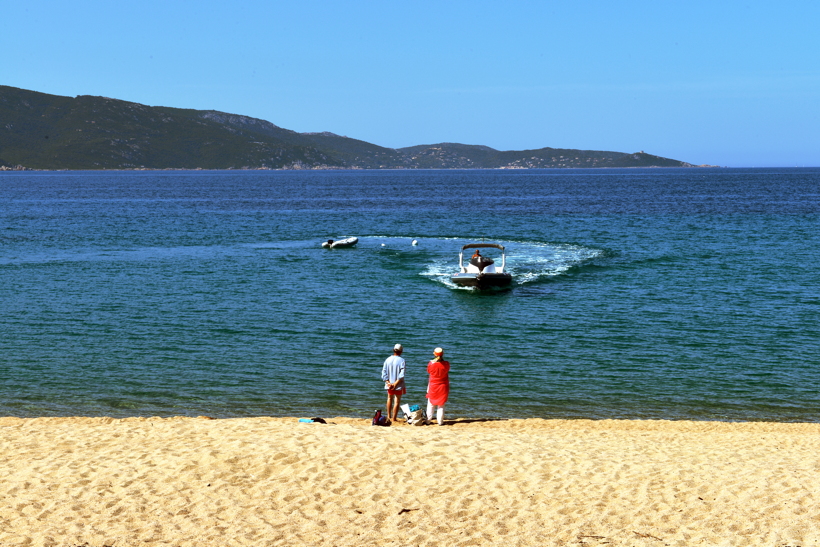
[528, 262]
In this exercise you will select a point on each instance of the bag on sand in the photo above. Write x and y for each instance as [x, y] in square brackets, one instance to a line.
[378, 419]
[415, 415]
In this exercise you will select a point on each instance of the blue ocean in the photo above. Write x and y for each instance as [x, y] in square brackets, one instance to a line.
[637, 293]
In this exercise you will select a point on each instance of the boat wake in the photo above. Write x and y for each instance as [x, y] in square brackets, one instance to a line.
[528, 262]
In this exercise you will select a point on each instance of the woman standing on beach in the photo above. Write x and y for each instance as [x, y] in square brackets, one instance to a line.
[438, 387]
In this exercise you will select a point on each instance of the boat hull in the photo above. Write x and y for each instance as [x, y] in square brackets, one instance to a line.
[349, 242]
[483, 280]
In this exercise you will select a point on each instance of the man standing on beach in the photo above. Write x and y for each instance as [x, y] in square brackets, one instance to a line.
[393, 376]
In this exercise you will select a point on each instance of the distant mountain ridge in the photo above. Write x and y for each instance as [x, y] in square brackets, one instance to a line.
[42, 131]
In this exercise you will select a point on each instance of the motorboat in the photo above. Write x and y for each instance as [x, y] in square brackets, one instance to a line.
[481, 272]
[335, 244]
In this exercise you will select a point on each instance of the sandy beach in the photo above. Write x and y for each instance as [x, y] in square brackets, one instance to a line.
[274, 481]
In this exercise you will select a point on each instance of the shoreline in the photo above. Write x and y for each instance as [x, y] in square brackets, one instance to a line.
[509, 424]
[18, 168]
[274, 481]
[506, 424]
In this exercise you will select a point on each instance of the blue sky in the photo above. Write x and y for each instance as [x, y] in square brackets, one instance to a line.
[724, 83]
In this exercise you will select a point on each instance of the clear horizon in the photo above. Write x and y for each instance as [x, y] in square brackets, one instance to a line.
[731, 84]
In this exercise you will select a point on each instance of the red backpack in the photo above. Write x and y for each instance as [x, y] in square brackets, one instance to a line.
[378, 419]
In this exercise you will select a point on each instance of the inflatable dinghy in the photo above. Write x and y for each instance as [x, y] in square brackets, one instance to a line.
[349, 242]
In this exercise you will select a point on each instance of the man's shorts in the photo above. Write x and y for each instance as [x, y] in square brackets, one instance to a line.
[401, 391]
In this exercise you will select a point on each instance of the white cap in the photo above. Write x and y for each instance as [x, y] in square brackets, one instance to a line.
[438, 351]
[397, 347]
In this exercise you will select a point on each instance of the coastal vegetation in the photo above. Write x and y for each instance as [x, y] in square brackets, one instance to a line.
[42, 131]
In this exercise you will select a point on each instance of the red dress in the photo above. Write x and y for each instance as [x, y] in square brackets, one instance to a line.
[439, 386]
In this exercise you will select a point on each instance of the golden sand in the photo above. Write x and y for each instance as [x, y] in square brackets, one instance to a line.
[274, 481]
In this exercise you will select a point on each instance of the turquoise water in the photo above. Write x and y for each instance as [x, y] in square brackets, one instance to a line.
[679, 294]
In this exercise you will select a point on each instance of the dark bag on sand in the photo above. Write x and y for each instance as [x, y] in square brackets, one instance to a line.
[378, 419]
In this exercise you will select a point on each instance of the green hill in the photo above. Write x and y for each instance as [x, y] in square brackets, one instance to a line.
[42, 131]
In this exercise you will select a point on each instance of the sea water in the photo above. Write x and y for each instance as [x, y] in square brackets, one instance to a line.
[638, 293]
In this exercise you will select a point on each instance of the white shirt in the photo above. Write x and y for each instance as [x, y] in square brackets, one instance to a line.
[393, 371]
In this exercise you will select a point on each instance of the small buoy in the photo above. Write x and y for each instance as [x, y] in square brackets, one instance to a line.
[414, 242]
[382, 244]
